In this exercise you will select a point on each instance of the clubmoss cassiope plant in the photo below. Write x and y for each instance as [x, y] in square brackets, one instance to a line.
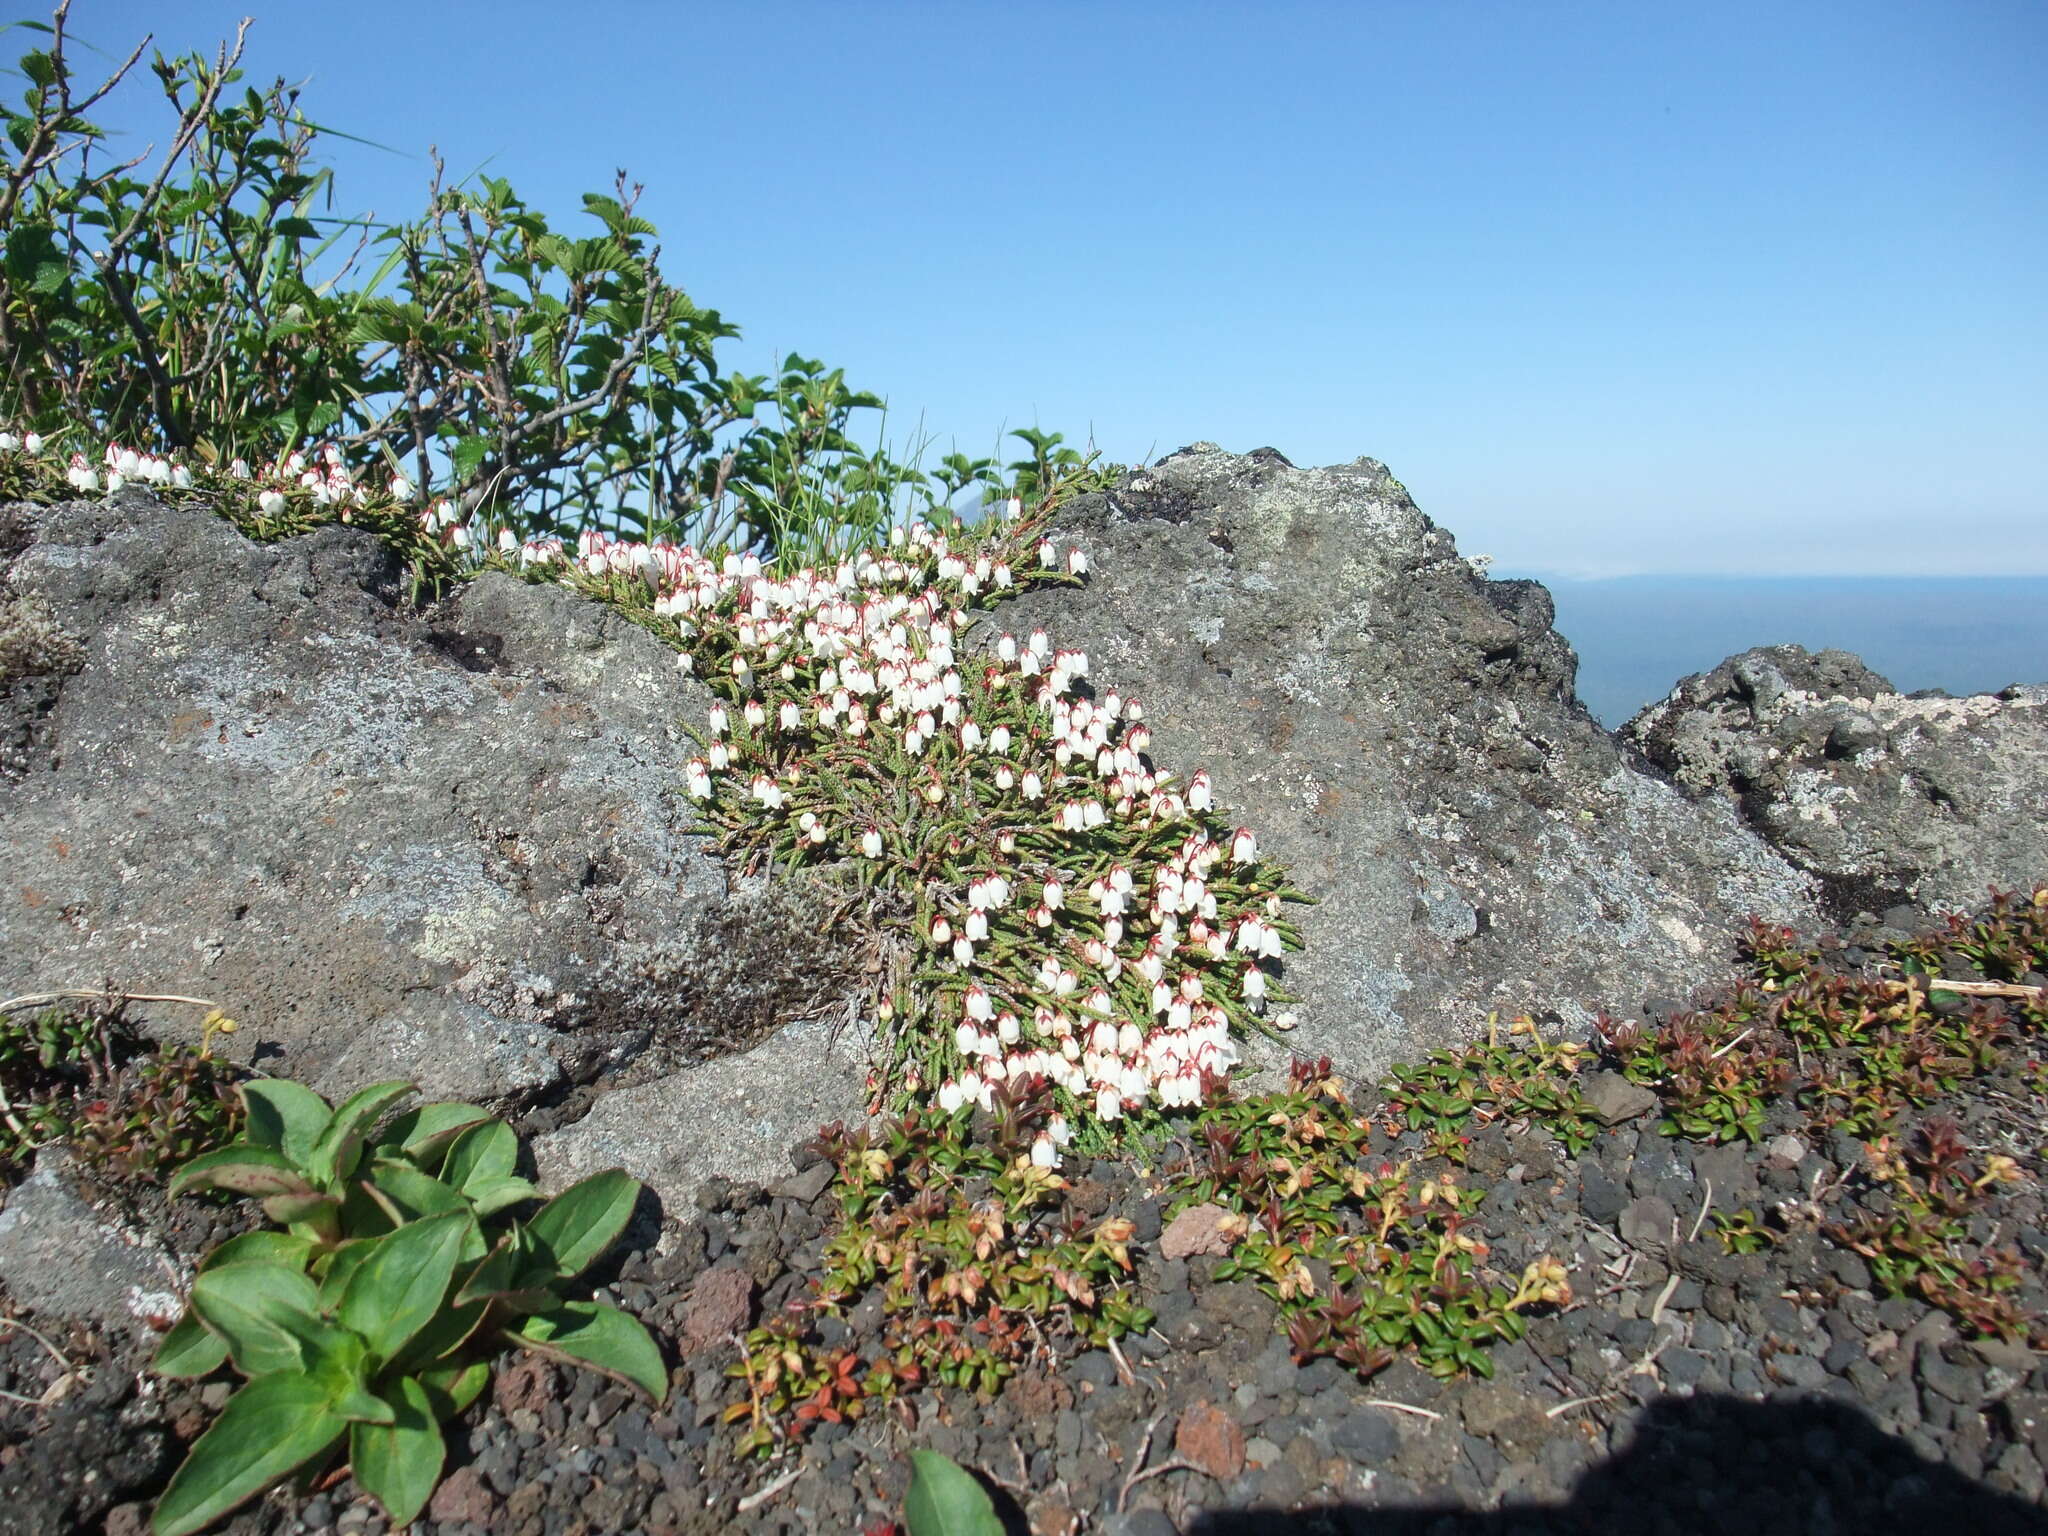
[1067, 910]
[372, 1316]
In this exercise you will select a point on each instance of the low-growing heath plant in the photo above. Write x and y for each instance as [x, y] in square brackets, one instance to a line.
[1494, 1080]
[1927, 1246]
[979, 1266]
[73, 1071]
[1366, 1258]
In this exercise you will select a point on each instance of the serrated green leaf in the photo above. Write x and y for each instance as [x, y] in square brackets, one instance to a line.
[400, 1463]
[945, 1500]
[269, 1428]
[396, 1291]
[466, 455]
[593, 1334]
[573, 1230]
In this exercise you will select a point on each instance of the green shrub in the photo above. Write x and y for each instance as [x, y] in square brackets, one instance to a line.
[545, 382]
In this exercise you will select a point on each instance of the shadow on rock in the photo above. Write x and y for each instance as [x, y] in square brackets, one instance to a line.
[1710, 1466]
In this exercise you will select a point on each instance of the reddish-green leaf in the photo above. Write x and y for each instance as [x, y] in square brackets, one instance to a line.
[272, 1426]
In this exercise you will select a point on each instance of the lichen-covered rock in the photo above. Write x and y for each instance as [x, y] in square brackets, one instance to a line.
[1886, 797]
[392, 844]
[1403, 734]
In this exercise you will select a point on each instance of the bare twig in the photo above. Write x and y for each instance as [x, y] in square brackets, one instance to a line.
[1420, 1413]
[1579, 1402]
[1967, 988]
[762, 1495]
[1140, 1472]
[67, 1367]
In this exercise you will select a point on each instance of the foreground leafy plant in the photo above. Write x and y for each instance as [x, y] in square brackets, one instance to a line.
[1495, 1079]
[373, 1315]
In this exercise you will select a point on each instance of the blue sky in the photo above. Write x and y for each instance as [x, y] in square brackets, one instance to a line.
[1611, 288]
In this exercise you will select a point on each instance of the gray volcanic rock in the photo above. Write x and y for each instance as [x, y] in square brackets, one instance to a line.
[63, 1257]
[1403, 734]
[391, 844]
[1887, 797]
[736, 1117]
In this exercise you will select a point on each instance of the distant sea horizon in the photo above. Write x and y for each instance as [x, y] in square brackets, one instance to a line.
[1638, 636]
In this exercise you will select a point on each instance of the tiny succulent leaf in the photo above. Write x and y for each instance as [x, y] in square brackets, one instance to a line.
[399, 1462]
[575, 1228]
[273, 1425]
[591, 1333]
[945, 1500]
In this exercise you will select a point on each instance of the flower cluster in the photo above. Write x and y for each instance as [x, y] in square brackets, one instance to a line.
[312, 480]
[1080, 916]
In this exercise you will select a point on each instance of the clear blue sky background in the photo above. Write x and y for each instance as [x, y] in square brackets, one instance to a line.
[1612, 288]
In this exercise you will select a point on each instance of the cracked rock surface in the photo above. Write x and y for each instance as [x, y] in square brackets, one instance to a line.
[1886, 797]
[1403, 734]
[394, 842]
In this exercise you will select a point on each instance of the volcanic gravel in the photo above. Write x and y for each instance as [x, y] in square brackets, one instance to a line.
[1685, 1389]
